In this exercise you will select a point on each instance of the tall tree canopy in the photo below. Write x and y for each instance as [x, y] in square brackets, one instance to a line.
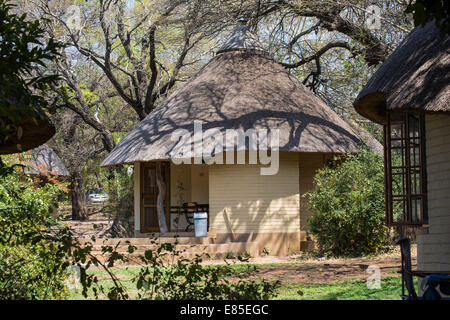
[143, 48]
[121, 58]
[23, 50]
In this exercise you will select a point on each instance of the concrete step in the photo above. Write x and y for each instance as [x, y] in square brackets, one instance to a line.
[237, 247]
[185, 242]
[150, 241]
[135, 259]
[168, 234]
[207, 251]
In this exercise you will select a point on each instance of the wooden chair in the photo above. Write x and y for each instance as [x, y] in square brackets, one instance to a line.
[189, 208]
[431, 278]
[407, 276]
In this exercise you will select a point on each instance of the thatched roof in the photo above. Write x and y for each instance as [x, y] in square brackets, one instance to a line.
[36, 130]
[44, 161]
[415, 76]
[240, 89]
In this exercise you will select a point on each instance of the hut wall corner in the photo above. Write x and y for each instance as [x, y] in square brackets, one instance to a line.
[433, 245]
[137, 196]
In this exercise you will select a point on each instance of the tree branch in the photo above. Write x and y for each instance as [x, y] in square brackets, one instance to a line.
[318, 54]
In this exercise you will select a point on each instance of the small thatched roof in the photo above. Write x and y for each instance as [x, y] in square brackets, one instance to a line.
[240, 88]
[44, 161]
[415, 76]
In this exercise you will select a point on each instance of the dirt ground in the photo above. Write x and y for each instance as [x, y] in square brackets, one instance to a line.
[294, 269]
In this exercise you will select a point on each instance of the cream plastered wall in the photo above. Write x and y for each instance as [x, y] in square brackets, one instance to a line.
[189, 183]
[137, 196]
[180, 184]
[200, 183]
[244, 201]
[433, 247]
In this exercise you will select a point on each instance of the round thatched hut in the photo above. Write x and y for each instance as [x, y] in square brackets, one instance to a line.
[43, 161]
[410, 95]
[244, 97]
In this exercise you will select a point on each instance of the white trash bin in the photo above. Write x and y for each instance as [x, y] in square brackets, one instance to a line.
[201, 224]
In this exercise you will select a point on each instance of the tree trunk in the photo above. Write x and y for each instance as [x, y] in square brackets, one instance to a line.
[79, 211]
[161, 199]
[116, 230]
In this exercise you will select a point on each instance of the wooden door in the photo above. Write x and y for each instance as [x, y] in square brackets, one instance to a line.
[149, 215]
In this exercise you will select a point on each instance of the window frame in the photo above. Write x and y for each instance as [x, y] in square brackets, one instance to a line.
[405, 170]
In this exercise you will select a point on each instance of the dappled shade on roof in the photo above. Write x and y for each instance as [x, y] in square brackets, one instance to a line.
[415, 76]
[239, 90]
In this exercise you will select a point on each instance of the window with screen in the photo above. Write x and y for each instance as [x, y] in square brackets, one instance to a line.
[405, 169]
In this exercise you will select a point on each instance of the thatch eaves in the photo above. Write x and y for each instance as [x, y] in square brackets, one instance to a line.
[33, 128]
[415, 76]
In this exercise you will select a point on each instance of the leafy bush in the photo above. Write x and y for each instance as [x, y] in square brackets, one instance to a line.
[32, 265]
[189, 280]
[22, 51]
[230, 255]
[349, 206]
[165, 274]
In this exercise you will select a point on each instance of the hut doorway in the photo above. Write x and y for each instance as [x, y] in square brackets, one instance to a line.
[149, 213]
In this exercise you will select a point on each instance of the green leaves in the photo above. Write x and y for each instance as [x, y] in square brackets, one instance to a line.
[425, 11]
[22, 52]
[32, 265]
[348, 206]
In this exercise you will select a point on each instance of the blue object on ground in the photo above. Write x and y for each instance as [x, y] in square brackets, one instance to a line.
[431, 282]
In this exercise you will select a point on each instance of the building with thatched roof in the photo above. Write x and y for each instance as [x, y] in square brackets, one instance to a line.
[242, 91]
[410, 96]
[43, 161]
[31, 128]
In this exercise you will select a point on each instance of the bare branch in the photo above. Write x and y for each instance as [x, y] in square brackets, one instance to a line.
[318, 54]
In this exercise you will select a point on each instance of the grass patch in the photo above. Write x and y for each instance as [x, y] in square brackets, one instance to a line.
[351, 289]
[124, 274]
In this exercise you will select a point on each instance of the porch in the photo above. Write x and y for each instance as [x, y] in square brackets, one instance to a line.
[186, 192]
[242, 204]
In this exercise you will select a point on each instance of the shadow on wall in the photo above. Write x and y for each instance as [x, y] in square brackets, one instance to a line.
[246, 205]
[263, 221]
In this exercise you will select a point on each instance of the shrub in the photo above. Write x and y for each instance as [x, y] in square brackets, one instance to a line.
[349, 206]
[244, 256]
[165, 275]
[265, 252]
[189, 280]
[32, 265]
